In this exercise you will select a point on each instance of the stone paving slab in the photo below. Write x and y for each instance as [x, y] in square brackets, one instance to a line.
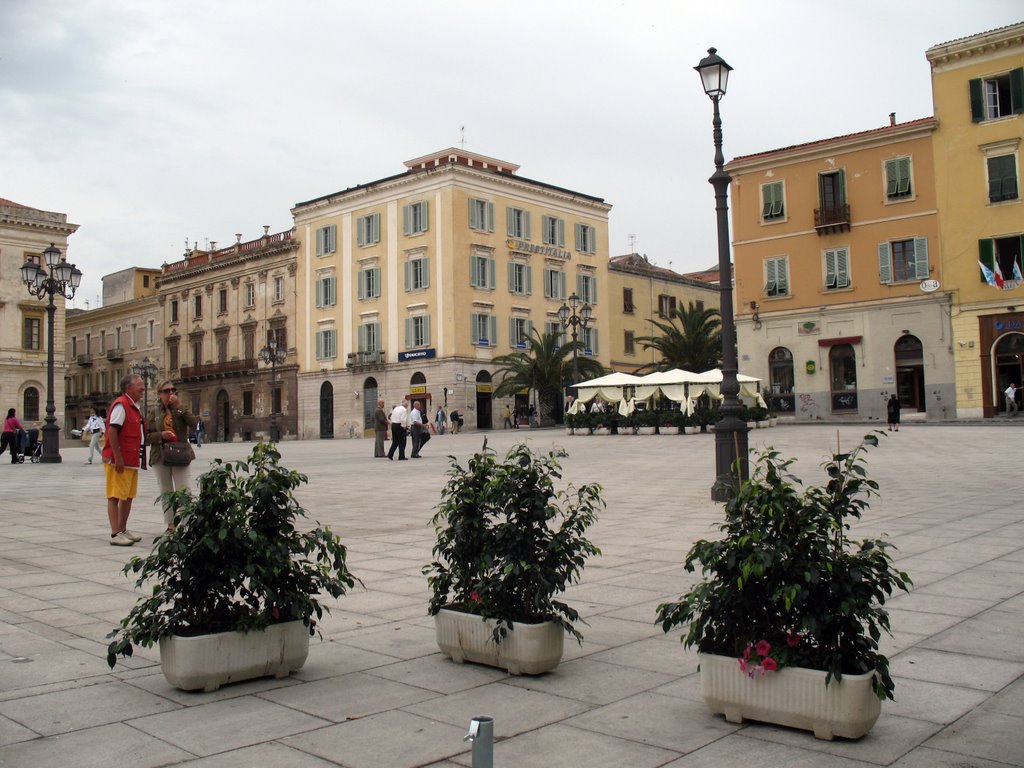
[375, 692]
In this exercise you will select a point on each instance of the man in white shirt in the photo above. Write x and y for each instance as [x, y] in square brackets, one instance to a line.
[93, 428]
[419, 436]
[1011, 399]
[398, 418]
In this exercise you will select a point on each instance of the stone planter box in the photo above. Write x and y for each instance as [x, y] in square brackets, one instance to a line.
[646, 430]
[792, 696]
[691, 430]
[773, 422]
[669, 430]
[602, 430]
[528, 649]
[209, 661]
[763, 424]
[569, 430]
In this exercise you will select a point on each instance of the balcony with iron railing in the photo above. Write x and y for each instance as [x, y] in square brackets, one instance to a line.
[375, 359]
[84, 360]
[115, 354]
[834, 219]
[229, 368]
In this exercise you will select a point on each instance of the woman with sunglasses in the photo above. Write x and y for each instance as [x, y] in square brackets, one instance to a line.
[169, 422]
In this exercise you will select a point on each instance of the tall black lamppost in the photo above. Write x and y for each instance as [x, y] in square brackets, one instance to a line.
[61, 279]
[148, 370]
[272, 355]
[730, 431]
[568, 317]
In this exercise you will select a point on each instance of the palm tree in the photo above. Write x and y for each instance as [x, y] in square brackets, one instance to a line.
[693, 345]
[546, 367]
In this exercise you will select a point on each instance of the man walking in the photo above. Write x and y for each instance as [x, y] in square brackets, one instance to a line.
[122, 458]
[398, 418]
[419, 429]
[380, 430]
[94, 428]
[1011, 399]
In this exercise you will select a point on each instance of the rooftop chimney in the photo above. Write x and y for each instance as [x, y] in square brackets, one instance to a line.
[892, 118]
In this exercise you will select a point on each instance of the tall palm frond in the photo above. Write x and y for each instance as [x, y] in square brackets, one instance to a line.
[695, 344]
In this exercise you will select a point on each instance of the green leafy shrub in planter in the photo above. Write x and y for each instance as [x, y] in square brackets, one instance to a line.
[757, 413]
[786, 573]
[509, 542]
[648, 418]
[570, 420]
[236, 561]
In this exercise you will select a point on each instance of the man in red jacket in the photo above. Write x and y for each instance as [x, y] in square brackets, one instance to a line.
[122, 458]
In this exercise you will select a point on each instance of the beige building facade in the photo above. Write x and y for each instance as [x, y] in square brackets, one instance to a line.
[219, 308]
[103, 344]
[978, 93]
[840, 298]
[640, 292]
[411, 285]
[24, 234]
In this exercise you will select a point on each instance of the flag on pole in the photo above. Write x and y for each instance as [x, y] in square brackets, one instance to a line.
[1016, 271]
[990, 278]
[999, 274]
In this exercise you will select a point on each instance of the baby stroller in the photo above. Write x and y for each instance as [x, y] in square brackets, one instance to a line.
[33, 446]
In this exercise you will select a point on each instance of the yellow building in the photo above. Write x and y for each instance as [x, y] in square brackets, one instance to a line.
[103, 344]
[838, 284]
[411, 285]
[24, 234]
[640, 292]
[978, 93]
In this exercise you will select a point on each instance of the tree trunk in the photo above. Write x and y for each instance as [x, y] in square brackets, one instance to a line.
[547, 399]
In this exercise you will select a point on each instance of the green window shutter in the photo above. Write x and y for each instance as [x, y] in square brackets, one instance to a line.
[987, 256]
[319, 293]
[529, 280]
[560, 232]
[771, 281]
[976, 93]
[892, 178]
[1017, 90]
[408, 276]
[841, 187]
[319, 344]
[579, 285]
[593, 340]
[579, 237]
[549, 283]
[474, 328]
[491, 271]
[376, 281]
[512, 277]
[332, 291]
[830, 269]
[782, 274]
[884, 264]
[492, 323]
[512, 332]
[526, 225]
[561, 285]
[320, 242]
[361, 231]
[842, 268]
[920, 258]
[362, 338]
[425, 273]
[903, 166]
[408, 332]
[474, 218]
[375, 228]
[529, 328]
[361, 290]
[426, 330]
[593, 291]
[407, 219]
[510, 221]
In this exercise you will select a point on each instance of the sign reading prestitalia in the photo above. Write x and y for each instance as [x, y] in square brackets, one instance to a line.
[418, 354]
[543, 250]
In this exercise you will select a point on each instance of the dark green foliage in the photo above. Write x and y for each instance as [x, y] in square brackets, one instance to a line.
[695, 344]
[235, 561]
[785, 568]
[508, 542]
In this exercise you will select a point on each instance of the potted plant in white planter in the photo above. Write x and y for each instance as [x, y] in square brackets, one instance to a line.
[508, 544]
[570, 423]
[692, 424]
[790, 610]
[647, 422]
[759, 416]
[672, 422]
[236, 588]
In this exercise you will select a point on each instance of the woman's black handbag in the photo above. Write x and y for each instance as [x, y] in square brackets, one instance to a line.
[176, 454]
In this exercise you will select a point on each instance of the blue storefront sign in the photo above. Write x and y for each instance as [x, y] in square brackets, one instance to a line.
[418, 354]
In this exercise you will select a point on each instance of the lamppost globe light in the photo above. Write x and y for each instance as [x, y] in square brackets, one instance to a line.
[574, 301]
[58, 278]
[586, 313]
[563, 314]
[714, 74]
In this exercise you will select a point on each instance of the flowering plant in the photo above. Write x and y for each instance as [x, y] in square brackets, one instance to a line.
[786, 568]
[509, 542]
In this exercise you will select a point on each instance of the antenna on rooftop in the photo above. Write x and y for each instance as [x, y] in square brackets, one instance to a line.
[462, 133]
[632, 243]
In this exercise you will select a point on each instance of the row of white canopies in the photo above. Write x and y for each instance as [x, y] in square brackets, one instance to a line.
[625, 389]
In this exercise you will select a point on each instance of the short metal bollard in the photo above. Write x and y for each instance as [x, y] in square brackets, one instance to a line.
[481, 733]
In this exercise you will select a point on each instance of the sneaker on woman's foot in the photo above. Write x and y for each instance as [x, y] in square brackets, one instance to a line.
[120, 540]
[131, 535]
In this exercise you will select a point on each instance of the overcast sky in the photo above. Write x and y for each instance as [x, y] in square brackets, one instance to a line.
[149, 122]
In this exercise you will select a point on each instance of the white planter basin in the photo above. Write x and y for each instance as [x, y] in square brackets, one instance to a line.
[669, 430]
[209, 661]
[691, 430]
[568, 430]
[792, 696]
[528, 649]
[646, 430]
[602, 430]
[764, 424]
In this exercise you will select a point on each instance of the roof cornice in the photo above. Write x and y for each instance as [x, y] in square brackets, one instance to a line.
[966, 50]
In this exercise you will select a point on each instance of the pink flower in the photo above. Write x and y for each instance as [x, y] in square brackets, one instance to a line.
[743, 665]
[763, 648]
[746, 651]
[769, 664]
[792, 640]
[474, 596]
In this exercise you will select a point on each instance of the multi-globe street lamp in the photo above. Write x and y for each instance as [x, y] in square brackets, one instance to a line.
[59, 278]
[272, 355]
[148, 370]
[569, 317]
[731, 446]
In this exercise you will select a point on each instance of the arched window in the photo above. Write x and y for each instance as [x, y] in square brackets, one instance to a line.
[417, 379]
[908, 355]
[780, 375]
[30, 405]
[369, 401]
[326, 411]
[842, 363]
